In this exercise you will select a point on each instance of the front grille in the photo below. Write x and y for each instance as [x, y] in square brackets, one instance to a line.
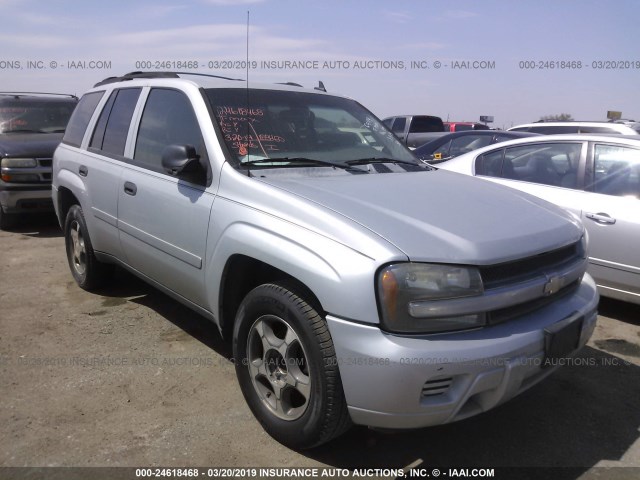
[505, 314]
[520, 270]
[45, 177]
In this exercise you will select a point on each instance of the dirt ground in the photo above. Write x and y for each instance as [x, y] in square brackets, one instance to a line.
[129, 377]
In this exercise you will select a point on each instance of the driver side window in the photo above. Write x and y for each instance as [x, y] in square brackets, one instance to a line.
[168, 119]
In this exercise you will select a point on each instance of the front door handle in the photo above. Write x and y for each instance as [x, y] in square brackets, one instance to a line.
[601, 218]
[130, 188]
[83, 170]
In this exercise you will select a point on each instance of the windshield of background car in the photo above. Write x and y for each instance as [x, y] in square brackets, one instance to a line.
[285, 126]
[35, 116]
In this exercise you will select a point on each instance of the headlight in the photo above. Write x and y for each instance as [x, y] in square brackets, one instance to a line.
[19, 163]
[404, 288]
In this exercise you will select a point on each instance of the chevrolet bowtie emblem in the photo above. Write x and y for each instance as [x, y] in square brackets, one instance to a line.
[553, 285]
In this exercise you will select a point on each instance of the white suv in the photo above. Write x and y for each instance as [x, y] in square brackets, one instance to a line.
[552, 128]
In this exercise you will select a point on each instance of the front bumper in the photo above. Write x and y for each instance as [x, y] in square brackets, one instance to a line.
[25, 198]
[393, 381]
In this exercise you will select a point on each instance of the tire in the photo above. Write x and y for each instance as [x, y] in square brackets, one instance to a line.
[87, 271]
[287, 368]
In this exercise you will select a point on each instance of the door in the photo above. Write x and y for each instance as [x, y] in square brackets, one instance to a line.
[162, 220]
[101, 167]
[611, 214]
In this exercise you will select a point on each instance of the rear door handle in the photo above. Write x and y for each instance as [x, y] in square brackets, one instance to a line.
[601, 218]
[130, 188]
[83, 170]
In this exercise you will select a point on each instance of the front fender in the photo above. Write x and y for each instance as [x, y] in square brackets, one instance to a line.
[341, 278]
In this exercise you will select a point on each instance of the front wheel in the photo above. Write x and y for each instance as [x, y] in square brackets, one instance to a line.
[287, 369]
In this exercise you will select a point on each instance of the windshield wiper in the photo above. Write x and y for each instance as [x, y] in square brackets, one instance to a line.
[303, 160]
[369, 160]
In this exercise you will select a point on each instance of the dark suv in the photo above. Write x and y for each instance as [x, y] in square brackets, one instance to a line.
[31, 127]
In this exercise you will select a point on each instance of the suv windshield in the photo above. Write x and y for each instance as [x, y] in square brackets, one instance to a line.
[290, 127]
[41, 116]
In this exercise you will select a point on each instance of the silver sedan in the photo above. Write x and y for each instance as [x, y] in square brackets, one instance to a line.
[596, 177]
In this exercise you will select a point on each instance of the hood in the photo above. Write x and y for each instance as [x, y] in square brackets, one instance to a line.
[29, 144]
[439, 216]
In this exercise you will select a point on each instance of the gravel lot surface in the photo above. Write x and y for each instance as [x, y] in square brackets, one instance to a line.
[129, 377]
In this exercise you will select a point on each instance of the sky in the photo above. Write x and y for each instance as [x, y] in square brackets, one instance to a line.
[514, 60]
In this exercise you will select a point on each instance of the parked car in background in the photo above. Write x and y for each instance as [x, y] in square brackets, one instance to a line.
[464, 126]
[31, 127]
[415, 130]
[451, 145]
[552, 128]
[596, 177]
[355, 285]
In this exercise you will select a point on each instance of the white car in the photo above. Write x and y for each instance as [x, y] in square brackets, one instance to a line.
[596, 177]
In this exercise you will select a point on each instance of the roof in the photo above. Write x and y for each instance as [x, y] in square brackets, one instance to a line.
[204, 80]
[631, 140]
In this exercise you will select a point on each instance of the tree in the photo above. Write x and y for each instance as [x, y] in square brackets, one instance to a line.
[562, 117]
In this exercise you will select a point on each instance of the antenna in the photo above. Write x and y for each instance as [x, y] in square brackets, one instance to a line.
[247, 100]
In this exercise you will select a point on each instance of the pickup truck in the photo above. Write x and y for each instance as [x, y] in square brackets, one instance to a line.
[31, 127]
[354, 283]
[415, 130]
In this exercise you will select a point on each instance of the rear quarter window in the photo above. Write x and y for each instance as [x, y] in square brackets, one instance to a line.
[80, 118]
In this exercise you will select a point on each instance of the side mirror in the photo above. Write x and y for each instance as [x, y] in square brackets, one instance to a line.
[180, 159]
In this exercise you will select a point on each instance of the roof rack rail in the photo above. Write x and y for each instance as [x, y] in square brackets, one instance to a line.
[159, 74]
[16, 94]
[291, 84]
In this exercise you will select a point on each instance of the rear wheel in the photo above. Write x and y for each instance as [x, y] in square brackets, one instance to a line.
[287, 369]
[87, 271]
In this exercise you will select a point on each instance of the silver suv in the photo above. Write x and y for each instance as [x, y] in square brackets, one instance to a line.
[356, 284]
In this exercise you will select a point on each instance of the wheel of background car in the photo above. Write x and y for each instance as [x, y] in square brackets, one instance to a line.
[87, 271]
[286, 366]
[6, 220]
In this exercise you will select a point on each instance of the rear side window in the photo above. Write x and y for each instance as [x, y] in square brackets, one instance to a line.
[111, 131]
[168, 119]
[81, 117]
